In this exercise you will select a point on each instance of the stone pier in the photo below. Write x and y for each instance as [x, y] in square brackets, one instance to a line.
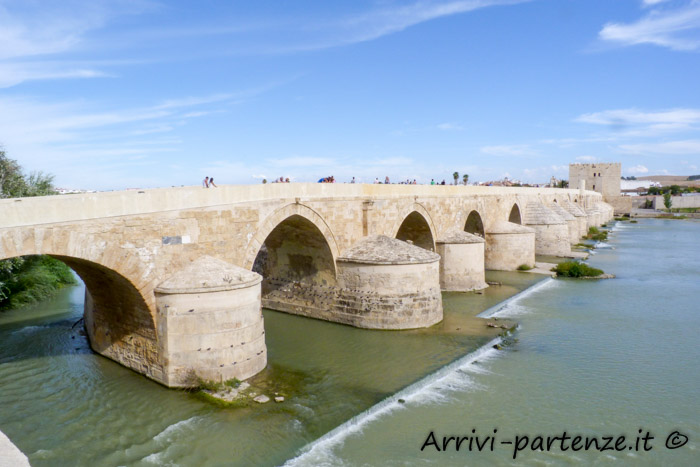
[389, 284]
[461, 261]
[210, 323]
[509, 246]
[551, 231]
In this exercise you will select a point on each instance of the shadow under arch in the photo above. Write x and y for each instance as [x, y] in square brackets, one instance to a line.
[474, 224]
[295, 251]
[515, 215]
[416, 229]
[118, 319]
[115, 310]
[277, 218]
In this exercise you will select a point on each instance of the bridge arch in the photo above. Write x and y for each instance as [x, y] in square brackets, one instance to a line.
[416, 226]
[515, 215]
[119, 316]
[294, 244]
[474, 224]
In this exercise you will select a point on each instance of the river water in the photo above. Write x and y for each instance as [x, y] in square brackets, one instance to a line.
[592, 357]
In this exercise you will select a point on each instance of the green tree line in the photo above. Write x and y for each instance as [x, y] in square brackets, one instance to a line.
[28, 279]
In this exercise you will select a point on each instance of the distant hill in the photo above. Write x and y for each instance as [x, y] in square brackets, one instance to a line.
[667, 180]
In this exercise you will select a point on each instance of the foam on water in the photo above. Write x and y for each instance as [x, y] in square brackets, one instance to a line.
[29, 330]
[434, 388]
[602, 245]
[510, 307]
[167, 434]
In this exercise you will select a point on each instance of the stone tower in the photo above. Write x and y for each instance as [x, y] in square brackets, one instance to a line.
[603, 178]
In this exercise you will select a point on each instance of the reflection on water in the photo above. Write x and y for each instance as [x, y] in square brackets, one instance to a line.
[63, 405]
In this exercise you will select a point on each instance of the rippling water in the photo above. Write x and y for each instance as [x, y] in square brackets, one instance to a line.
[595, 358]
[592, 357]
[63, 405]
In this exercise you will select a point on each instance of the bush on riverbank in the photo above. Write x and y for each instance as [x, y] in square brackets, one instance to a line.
[597, 235]
[30, 279]
[576, 269]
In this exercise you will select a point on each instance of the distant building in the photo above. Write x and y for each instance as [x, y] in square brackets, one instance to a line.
[603, 178]
[636, 186]
[505, 182]
[70, 191]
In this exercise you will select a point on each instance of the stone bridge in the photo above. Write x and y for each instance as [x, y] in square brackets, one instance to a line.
[175, 277]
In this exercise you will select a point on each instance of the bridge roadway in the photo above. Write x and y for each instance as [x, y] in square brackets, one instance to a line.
[175, 277]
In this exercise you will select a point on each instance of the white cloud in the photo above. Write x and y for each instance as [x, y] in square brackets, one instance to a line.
[381, 22]
[32, 33]
[301, 161]
[634, 116]
[29, 33]
[652, 2]
[640, 123]
[587, 158]
[392, 161]
[509, 150]
[12, 74]
[677, 29]
[542, 174]
[682, 147]
[449, 126]
[318, 32]
[637, 170]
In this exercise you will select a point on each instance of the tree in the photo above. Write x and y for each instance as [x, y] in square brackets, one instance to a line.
[456, 176]
[14, 184]
[465, 178]
[667, 200]
[675, 189]
[12, 181]
[563, 183]
[28, 278]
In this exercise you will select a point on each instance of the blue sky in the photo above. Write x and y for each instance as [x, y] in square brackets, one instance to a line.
[140, 93]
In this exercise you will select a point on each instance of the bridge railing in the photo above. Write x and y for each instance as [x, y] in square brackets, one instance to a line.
[16, 212]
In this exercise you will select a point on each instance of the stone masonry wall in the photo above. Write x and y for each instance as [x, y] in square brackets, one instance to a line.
[123, 244]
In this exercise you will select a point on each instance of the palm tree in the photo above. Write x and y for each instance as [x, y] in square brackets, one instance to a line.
[456, 176]
[465, 178]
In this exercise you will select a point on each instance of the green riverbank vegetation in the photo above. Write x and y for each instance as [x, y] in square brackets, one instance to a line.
[576, 269]
[28, 279]
[595, 234]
